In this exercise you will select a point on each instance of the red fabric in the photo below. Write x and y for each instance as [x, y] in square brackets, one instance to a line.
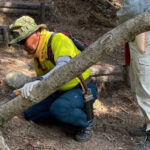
[70, 36]
[127, 54]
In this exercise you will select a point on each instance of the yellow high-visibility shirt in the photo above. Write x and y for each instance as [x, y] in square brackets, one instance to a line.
[61, 45]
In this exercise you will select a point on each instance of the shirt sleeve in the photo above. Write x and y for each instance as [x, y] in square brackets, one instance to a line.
[59, 63]
[63, 46]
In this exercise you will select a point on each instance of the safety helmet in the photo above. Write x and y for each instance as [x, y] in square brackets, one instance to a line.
[22, 28]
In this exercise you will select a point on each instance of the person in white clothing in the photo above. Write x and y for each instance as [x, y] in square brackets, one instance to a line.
[139, 66]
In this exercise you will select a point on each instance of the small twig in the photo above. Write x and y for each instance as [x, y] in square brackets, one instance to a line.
[110, 4]
[123, 110]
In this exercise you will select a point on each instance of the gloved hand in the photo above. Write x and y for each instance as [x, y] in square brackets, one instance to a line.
[27, 88]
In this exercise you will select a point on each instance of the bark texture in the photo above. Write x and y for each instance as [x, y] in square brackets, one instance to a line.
[106, 44]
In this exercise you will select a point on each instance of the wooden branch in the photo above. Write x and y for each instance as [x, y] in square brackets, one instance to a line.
[106, 44]
[110, 78]
[13, 111]
[19, 11]
[22, 5]
[97, 70]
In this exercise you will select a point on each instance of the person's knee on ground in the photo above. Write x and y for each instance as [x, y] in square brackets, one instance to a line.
[64, 112]
[30, 113]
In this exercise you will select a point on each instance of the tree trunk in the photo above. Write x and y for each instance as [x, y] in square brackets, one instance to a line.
[106, 44]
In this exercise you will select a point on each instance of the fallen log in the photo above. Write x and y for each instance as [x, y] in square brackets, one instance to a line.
[106, 44]
[97, 70]
[110, 78]
[22, 5]
[108, 74]
[19, 11]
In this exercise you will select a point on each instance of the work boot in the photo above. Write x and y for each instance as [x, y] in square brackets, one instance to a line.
[141, 131]
[144, 145]
[86, 133]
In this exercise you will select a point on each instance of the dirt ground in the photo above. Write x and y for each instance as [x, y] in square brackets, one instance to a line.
[119, 111]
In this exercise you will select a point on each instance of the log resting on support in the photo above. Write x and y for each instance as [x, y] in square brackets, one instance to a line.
[98, 70]
[108, 74]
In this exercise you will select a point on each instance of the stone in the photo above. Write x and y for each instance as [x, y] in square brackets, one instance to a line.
[16, 79]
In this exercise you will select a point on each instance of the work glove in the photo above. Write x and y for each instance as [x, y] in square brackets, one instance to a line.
[27, 88]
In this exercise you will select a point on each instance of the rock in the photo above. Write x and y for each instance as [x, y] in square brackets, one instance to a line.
[20, 64]
[12, 64]
[16, 79]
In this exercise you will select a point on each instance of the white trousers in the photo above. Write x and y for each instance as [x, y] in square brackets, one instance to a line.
[140, 79]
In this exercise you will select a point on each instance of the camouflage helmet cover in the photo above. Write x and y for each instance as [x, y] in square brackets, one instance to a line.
[22, 28]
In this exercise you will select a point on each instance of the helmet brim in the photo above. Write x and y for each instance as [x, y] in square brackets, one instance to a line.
[20, 38]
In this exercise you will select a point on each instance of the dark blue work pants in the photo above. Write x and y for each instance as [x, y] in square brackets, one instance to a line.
[66, 107]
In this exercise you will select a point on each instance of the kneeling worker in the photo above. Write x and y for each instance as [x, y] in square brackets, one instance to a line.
[67, 104]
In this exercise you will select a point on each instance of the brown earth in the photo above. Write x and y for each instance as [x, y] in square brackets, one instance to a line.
[119, 111]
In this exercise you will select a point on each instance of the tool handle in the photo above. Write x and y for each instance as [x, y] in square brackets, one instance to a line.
[89, 110]
[15, 94]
